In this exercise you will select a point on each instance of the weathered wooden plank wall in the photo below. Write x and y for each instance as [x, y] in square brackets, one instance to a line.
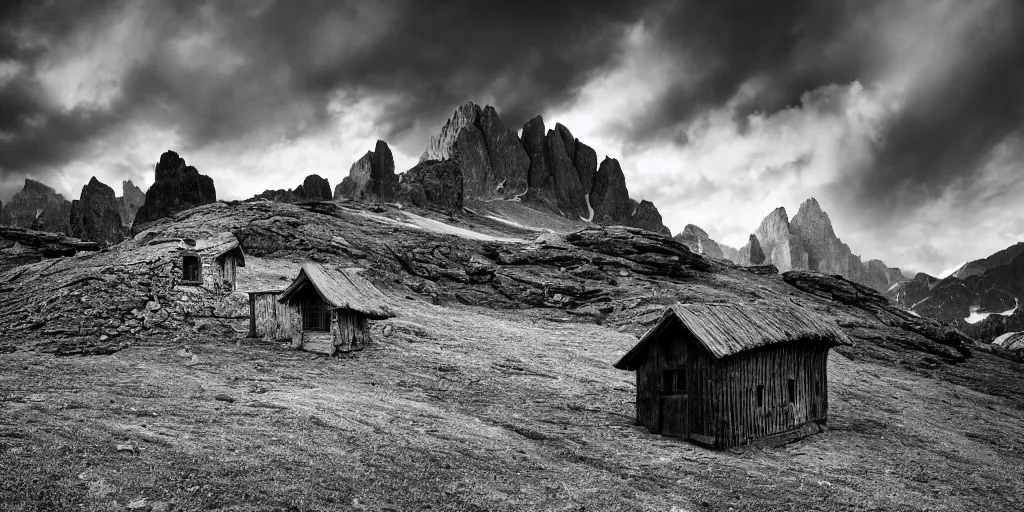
[722, 394]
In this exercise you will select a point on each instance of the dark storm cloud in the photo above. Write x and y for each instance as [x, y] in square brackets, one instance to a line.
[787, 48]
[273, 67]
[946, 131]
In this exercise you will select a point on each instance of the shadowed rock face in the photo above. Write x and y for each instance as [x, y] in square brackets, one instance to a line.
[95, 216]
[609, 197]
[494, 164]
[433, 184]
[751, 253]
[315, 188]
[371, 178]
[533, 143]
[38, 207]
[177, 187]
[568, 191]
[509, 161]
[132, 198]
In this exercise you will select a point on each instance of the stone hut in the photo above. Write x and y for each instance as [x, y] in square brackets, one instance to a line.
[210, 262]
[724, 375]
[330, 309]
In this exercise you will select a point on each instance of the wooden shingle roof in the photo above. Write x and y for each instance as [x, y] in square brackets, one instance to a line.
[341, 289]
[728, 329]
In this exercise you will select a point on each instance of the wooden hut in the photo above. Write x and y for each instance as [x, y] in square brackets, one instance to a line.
[726, 374]
[329, 309]
[268, 318]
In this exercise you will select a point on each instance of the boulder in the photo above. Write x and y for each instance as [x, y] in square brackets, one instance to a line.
[433, 183]
[95, 216]
[371, 178]
[177, 187]
[38, 207]
[132, 198]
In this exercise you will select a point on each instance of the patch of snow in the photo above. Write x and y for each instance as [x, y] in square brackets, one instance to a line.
[1001, 340]
[501, 186]
[918, 303]
[949, 271]
[517, 197]
[447, 229]
[512, 223]
[590, 209]
[894, 285]
[976, 317]
[915, 314]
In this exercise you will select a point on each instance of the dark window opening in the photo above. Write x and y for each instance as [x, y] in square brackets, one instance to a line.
[791, 386]
[316, 316]
[190, 268]
[760, 396]
[673, 381]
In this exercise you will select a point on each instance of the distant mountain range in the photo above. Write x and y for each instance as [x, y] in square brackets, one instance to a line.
[982, 297]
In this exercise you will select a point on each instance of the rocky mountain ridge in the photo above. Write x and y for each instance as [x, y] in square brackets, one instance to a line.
[808, 242]
[38, 207]
[546, 168]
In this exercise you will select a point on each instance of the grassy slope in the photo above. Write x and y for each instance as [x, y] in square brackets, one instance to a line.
[472, 409]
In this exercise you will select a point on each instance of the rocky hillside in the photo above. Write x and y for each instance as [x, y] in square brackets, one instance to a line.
[177, 187]
[38, 207]
[616, 276]
[95, 216]
[809, 242]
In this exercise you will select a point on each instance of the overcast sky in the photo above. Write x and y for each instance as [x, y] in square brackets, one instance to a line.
[905, 119]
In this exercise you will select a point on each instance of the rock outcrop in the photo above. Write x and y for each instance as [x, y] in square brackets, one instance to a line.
[979, 267]
[19, 246]
[752, 253]
[371, 178]
[314, 188]
[909, 293]
[494, 164]
[177, 187]
[433, 183]
[95, 216]
[611, 204]
[699, 242]
[781, 247]
[38, 207]
[132, 198]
